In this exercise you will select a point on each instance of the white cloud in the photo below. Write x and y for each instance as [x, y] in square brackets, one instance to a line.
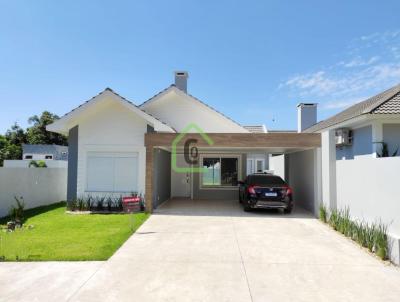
[371, 67]
[358, 61]
[341, 104]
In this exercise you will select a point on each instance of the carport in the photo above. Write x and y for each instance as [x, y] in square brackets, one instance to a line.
[300, 153]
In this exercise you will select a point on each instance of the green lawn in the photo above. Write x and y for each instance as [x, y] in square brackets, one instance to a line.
[57, 235]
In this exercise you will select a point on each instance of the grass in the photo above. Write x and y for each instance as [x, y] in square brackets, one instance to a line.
[59, 236]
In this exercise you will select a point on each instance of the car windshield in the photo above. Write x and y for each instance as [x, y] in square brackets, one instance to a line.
[265, 180]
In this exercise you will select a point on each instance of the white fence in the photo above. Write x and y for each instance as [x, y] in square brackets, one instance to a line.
[38, 186]
[25, 163]
[370, 187]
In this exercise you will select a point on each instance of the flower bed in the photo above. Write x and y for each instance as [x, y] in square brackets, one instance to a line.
[103, 204]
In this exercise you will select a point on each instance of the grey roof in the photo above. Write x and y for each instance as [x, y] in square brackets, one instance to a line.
[58, 152]
[387, 102]
[256, 129]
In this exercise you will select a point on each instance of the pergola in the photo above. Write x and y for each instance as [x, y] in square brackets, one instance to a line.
[285, 142]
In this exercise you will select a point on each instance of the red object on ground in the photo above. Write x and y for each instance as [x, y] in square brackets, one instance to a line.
[131, 204]
[130, 199]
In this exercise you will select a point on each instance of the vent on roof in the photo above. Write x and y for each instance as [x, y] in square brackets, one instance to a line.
[181, 80]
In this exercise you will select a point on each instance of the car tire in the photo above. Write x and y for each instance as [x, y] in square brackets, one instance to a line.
[246, 206]
[288, 210]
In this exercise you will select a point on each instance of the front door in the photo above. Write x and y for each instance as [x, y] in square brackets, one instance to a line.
[181, 182]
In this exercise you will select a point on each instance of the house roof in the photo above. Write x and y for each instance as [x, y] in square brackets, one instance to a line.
[56, 126]
[256, 128]
[387, 102]
[59, 152]
[176, 89]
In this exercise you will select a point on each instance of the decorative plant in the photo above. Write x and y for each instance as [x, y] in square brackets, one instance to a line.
[322, 213]
[73, 205]
[385, 151]
[17, 212]
[37, 164]
[109, 203]
[100, 203]
[369, 235]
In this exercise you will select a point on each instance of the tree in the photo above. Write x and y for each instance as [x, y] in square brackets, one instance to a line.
[37, 134]
[16, 135]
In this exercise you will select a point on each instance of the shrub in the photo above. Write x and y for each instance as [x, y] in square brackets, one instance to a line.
[17, 212]
[372, 236]
[322, 213]
[37, 164]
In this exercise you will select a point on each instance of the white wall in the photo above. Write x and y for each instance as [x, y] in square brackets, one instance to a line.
[25, 163]
[38, 186]
[277, 165]
[111, 128]
[303, 178]
[179, 110]
[370, 188]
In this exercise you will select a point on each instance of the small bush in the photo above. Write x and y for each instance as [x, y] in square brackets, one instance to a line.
[322, 213]
[372, 236]
[37, 164]
[16, 212]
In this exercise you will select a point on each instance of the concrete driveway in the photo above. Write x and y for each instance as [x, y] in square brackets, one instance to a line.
[213, 251]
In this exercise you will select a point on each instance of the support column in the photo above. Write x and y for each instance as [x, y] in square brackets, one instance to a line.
[149, 178]
[377, 138]
[328, 158]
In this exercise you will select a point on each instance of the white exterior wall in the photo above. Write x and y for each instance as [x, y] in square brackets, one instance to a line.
[304, 178]
[328, 166]
[277, 165]
[38, 186]
[179, 111]
[369, 187]
[111, 129]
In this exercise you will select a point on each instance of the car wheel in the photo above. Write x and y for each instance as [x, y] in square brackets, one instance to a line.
[288, 210]
[246, 206]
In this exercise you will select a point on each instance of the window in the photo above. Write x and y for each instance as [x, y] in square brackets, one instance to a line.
[112, 172]
[259, 165]
[28, 157]
[220, 171]
[48, 157]
[260, 180]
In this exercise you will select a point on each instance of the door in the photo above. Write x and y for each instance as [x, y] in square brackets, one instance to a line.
[181, 182]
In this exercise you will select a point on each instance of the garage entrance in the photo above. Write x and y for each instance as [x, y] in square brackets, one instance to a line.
[217, 167]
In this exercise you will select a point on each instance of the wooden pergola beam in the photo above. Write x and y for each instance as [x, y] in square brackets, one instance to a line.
[243, 140]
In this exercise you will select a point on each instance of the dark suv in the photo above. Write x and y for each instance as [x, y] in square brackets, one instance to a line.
[265, 191]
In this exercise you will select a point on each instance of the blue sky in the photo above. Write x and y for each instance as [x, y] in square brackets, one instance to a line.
[252, 60]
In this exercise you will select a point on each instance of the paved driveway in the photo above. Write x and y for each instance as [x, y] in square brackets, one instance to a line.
[213, 251]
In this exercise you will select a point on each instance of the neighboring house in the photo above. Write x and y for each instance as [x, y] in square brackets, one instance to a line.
[111, 151]
[353, 174]
[44, 152]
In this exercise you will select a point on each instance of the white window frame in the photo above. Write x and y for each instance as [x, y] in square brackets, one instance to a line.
[220, 156]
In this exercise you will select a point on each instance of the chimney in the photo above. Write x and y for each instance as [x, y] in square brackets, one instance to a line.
[181, 80]
[306, 116]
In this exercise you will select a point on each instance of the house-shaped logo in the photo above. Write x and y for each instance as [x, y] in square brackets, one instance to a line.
[190, 150]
